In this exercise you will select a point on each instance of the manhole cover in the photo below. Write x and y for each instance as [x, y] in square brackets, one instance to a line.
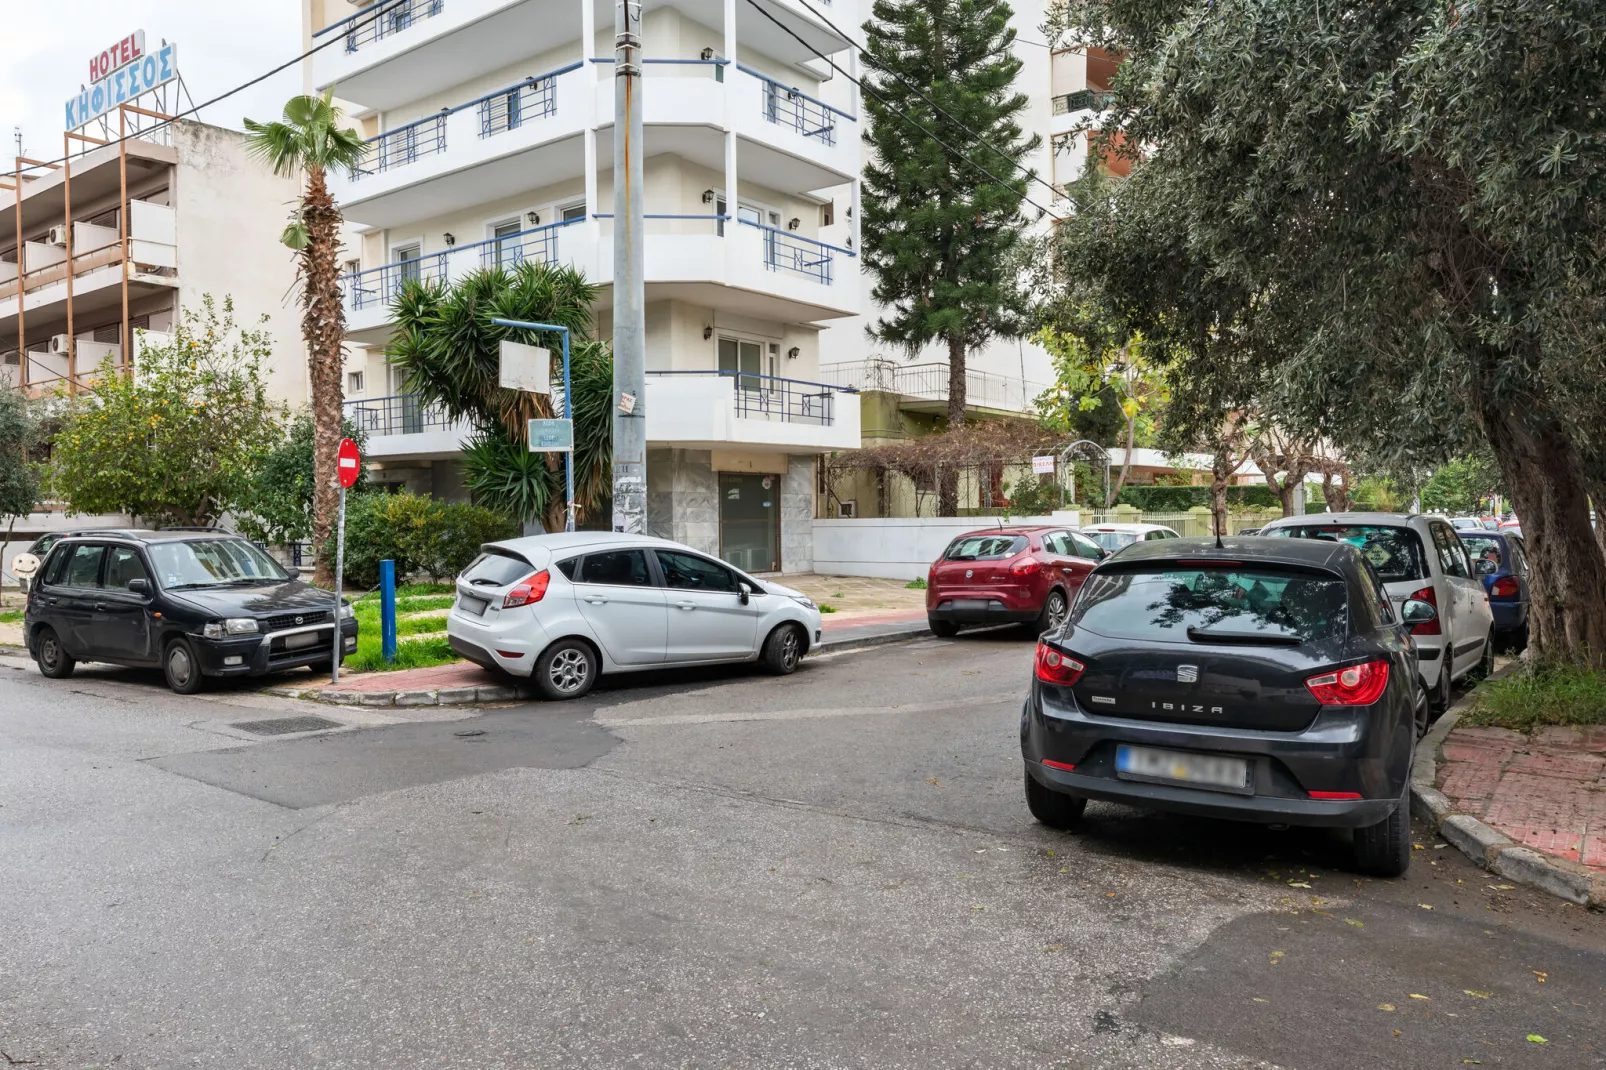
[282, 726]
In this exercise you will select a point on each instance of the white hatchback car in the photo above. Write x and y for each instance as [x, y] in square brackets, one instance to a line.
[1113, 537]
[564, 608]
[1418, 558]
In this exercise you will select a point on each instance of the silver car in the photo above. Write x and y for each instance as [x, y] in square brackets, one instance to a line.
[564, 608]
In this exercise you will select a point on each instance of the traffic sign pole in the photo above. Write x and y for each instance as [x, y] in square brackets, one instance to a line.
[568, 407]
[348, 466]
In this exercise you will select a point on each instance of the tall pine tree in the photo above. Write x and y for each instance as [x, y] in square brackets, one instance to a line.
[943, 193]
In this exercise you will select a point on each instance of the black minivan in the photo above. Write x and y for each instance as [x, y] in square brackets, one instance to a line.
[197, 603]
[1263, 680]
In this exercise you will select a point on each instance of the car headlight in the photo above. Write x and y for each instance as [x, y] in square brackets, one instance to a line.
[804, 601]
[346, 612]
[218, 629]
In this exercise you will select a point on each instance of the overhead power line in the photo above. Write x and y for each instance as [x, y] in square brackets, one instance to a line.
[1030, 174]
[909, 118]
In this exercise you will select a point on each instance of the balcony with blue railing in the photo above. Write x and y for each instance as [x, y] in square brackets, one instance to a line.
[786, 251]
[402, 146]
[402, 426]
[726, 405]
[793, 109]
[375, 287]
[382, 20]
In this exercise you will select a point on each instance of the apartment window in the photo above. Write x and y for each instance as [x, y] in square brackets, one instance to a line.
[570, 212]
[744, 359]
[828, 214]
[743, 212]
[351, 267]
[507, 246]
[354, 382]
[407, 259]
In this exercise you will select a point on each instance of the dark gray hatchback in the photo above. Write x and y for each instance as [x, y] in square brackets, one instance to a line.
[1259, 680]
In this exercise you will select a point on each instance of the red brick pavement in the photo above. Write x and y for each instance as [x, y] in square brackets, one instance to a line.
[1546, 790]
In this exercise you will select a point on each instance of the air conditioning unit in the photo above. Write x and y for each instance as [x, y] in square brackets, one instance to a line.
[59, 343]
[58, 236]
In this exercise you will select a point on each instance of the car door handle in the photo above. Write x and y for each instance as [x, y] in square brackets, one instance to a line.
[101, 607]
[596, 599]
[687, 605]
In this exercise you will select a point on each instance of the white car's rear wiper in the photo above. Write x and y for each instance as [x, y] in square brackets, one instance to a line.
[481, 581]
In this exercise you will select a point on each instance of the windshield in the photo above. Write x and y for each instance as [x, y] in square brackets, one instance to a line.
[985, 547]
[1112, 540]
[1396, 553]
[1179, 605]
[1482, 548]
[212, 563]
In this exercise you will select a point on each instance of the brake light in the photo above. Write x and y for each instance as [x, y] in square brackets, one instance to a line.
[1427, 627]
[1356, 685]
[1026, 566]
[1504, 587]
[1054, 667]
[529, 590]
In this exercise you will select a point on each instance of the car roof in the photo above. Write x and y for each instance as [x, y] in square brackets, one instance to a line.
[1015, 529]
[1382, 519]
[1127, 529]
[555, 542]
[164, 535]
[1311, 553]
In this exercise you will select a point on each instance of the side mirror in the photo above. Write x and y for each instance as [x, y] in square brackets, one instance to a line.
[745, 592]
[1101, 552]
[139, 586]
[1416, 611]
[1485, 567]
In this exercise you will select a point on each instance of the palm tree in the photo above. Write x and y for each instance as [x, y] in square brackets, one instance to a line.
[311, 141]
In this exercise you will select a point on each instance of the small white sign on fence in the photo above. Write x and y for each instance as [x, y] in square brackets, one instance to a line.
[1043, 466]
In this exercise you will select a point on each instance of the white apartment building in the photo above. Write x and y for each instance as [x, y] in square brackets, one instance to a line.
[489, 124]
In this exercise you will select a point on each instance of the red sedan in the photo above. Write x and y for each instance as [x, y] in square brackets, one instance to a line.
[1008, 575]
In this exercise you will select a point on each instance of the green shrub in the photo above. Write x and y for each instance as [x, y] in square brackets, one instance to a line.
[1559, 695]
[421, 535]
[1159, 499]
[1033, 496]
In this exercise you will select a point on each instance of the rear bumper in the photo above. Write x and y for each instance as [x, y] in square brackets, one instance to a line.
[1508, 616]
[509, 643]
[981, 611]
[1342, 750]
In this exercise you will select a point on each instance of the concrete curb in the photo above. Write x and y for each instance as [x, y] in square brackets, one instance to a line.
[1486, 845]
[468, 696]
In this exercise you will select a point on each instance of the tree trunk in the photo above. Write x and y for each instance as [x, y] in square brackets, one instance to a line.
[1221, 469]
[1567, 611]
[948, 482]
[1126, 464]
[323, 327]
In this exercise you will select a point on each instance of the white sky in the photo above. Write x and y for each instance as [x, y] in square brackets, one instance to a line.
[221, 43]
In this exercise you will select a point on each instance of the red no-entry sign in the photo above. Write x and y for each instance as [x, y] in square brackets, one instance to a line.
[349, 463]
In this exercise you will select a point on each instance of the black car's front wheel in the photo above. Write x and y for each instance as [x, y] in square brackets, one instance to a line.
[182, 669]
[1053, 808]
[1384, 849]
[54, 661]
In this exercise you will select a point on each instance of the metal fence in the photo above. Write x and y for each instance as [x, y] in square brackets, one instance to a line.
[400, 414]
[535, 98]
[386, 19]
[929, 381]
[403, 145]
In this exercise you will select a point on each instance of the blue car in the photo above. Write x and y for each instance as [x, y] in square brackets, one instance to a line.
[1500, 560]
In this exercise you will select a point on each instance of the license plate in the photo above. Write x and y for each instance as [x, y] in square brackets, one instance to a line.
[296, 642]
[1199, 770]
[471, 605]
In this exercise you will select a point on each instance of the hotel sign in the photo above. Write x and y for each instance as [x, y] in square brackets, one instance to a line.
[119, 75]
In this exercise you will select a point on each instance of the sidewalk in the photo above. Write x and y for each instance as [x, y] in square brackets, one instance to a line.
[1546, 791]
[464, 682]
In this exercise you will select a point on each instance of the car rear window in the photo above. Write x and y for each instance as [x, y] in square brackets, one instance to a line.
[1112, 540]
[984, 547]
[496, 569]
[1395, 552]
[1177, 604]
[1482, 547]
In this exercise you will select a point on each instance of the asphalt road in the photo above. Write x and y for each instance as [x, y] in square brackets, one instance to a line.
[711, 869]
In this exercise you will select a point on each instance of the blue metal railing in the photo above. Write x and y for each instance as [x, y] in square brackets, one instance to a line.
[508, 109]
[376, 286]
[795, 401]
[401, 414]
[383, 20]
[793, 108]
[511, 250]
[786, 251]
[403, 145]
[503, 109]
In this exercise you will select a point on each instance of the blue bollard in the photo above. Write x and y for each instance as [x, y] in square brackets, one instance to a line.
[387, 610]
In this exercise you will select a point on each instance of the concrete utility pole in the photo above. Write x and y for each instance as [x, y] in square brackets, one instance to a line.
[629, 289]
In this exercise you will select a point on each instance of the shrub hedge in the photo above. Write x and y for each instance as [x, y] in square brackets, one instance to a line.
[422, 535]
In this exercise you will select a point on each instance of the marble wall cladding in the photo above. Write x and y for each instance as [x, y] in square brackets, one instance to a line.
[797, 515]
[696, 501]
[660, 493]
